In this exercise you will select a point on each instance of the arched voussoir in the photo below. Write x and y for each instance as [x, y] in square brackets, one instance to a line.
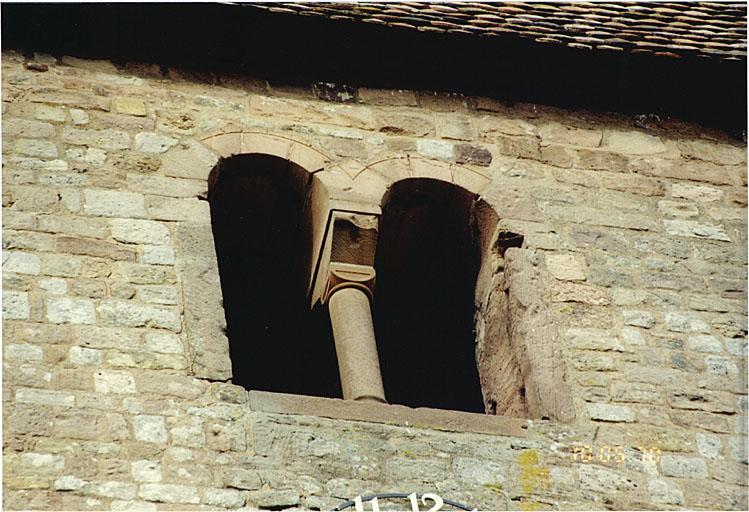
[394, 169]
[469, 179]
[242, 142]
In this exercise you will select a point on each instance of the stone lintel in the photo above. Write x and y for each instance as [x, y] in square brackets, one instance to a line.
[390, 414]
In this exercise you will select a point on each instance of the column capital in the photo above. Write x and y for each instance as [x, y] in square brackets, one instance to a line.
[349, 275]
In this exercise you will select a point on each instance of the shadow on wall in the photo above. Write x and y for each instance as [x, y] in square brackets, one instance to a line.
[427, 263]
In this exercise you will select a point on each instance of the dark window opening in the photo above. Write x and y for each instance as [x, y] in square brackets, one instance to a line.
[427, 262]
[261, 229]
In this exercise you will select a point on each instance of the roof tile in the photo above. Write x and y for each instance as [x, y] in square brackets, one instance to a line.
[668, 29]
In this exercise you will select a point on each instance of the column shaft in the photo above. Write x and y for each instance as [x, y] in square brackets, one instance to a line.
[355, 345]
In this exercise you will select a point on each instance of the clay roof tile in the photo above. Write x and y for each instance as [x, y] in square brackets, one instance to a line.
[667, 29]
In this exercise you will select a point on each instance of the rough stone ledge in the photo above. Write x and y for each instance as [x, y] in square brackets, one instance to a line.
[399, 415]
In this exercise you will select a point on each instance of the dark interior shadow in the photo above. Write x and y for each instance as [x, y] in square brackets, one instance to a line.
[427, 263]
[261, 230]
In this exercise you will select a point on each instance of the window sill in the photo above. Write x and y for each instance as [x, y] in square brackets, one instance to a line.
[399, 415]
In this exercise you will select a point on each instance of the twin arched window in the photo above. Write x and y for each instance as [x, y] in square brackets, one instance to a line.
[427, 262]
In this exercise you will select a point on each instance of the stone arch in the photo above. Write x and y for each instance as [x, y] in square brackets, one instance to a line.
[330, 186]
[235, 141]
[373, 180]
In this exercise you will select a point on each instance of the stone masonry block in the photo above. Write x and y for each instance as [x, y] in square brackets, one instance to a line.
[708, 445]
[143, 274]
[638, 318]
[696, 229]
[405, 124]
[635, 392]
[566, 267]
[143, 506]
[435, 149]
[110, 489]
[119, 382]
[158, 294]
[677, 209]
[479, 472]
[665, 492]
[73, 225]
[15, 305]
[44, 463]
[167, 186]
[71, 98]
[723, 154]
[28, 129]
[21, 262]
[225, 498]
[157, 255]
[169, 493]
[699, 193]
[54, 286]
[471, 154]
[187, 209]
[164, 343]
[600, 480]
[102, 139]
[68, 483]
[44, 397]
[47, 113]
[414, 469]
[140, 232]
[96, 248]
[23, 353]
[130, 106]
[719, 365]
[132, 314]
[36, 199]
[39, 148]
[567, 291]
[65, 310]
[150, 429]
[112, 203]
[146, 471]
[451, 126]
[737, 347]
[704, 343]
[633, 143]
[557, 133]
[93, 156]
[493, 125]
[189, 160]
[683, 467]
[273, 499]
[83, 356]
[189, 432]
[79, 117]
[148, 142]
[610, 412]
[681, 322]
[242, 478]
[594, 339]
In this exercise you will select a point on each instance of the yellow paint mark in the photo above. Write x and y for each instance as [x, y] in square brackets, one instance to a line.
[533, 475]
[529, 505]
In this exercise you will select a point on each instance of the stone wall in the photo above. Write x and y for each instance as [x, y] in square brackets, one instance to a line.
[111, 301]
